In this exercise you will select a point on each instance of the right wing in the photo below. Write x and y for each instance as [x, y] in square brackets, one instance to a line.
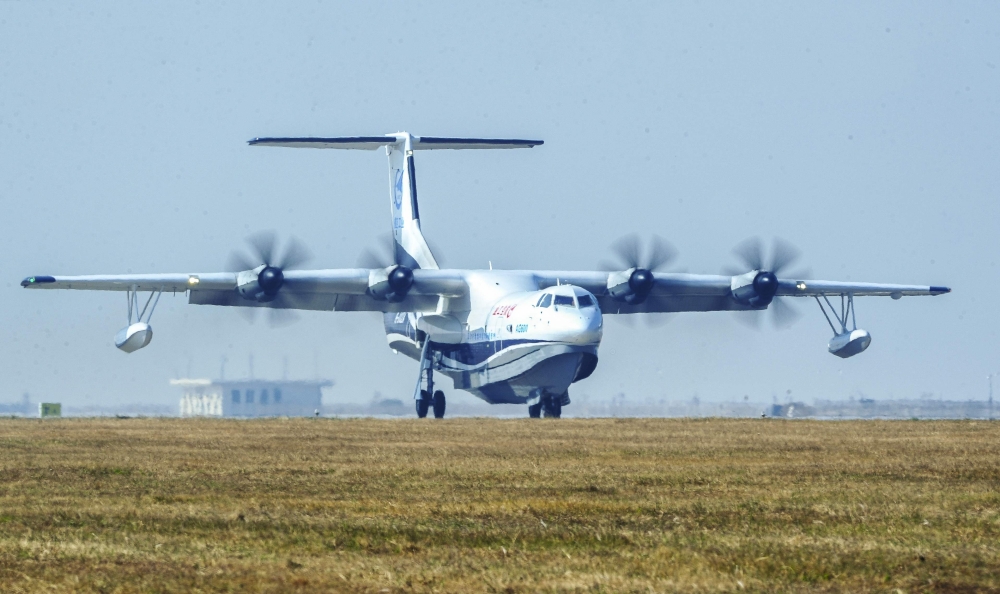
[344, 289]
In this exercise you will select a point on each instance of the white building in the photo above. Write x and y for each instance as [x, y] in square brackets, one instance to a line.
[249, 398]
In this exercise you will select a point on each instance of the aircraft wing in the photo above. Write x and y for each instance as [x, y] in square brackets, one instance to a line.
[817, 288]
[323, 290]
[347, 289]
[677, 292]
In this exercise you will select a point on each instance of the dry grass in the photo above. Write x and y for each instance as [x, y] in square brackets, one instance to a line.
[169, 505]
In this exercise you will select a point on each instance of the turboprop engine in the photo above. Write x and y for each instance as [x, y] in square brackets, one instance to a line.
[261, 283]
[631, 286]
[758, 288]
[634, 284]
[388, 278]
[261, 274]
[755, 288]
[391, 283]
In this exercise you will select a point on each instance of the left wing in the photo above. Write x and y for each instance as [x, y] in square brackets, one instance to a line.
[677, 292]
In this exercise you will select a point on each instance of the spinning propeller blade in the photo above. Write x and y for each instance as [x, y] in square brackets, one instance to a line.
[628, 249]
[383, 256]
[263, 251]
[629, 254]
[751, 254]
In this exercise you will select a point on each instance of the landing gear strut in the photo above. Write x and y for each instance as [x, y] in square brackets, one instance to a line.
[429, 399]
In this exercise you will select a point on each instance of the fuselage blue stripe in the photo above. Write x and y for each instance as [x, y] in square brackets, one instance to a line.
[475, 353]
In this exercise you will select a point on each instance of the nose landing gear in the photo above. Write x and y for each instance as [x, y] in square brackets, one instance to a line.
[548, 405]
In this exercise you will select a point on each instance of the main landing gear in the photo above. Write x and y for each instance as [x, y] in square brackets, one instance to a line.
[434, 404]
[429, 399]
[548, 405]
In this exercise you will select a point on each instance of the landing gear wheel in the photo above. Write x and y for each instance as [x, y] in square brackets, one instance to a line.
[551, 406]
[423, 404]
[535, 410]
[439, 404]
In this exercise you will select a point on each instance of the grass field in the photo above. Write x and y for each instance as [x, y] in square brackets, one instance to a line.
[474, 505]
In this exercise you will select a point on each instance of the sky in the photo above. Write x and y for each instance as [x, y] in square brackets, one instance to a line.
[866, 134]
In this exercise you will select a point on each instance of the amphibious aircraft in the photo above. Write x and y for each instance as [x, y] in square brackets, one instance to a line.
[506, 336]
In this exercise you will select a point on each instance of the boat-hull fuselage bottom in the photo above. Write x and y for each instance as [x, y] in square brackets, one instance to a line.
[518, 373]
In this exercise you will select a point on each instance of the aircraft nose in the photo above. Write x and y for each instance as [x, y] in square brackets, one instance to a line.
[587, 327]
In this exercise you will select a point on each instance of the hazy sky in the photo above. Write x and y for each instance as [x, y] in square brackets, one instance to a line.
[865, 134]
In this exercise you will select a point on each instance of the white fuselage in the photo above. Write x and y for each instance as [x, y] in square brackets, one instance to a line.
[509, 341]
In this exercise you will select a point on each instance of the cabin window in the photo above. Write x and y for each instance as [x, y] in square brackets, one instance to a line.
[263, 396]
[565, 301]
[236, 396]
[277, 395]
[585, 301]
[546, 301]
[249, 396]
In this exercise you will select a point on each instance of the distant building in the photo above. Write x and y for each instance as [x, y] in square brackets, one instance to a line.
[250, 398]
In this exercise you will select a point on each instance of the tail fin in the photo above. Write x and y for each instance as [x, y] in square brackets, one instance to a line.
[411, 248]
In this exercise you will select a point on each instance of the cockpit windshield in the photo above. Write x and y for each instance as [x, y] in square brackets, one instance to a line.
[585, 301]
[546, 300]
[565, 301]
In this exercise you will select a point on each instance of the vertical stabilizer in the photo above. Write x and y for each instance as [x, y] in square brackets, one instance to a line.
[408, 241]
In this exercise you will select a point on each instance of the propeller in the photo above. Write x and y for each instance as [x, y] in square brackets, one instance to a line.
[263, 250]
[629, 250]
[642, 263]
[752, 254]
[382, 256]
[399, 278]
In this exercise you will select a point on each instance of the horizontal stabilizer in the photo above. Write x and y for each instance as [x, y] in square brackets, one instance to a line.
[426, 143]
[418, 143]
[364, 143]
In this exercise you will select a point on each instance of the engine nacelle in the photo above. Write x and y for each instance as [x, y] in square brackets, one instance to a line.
[260, 284]
[134, 337]
[631, 286]
[754, 288]
[391, 284]
[850, 343]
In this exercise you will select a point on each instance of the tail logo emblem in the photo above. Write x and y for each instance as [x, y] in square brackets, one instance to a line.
[397, 193]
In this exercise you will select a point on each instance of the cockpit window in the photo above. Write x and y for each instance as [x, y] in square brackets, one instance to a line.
[585, 301]
[546, 300]
[564, 300]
